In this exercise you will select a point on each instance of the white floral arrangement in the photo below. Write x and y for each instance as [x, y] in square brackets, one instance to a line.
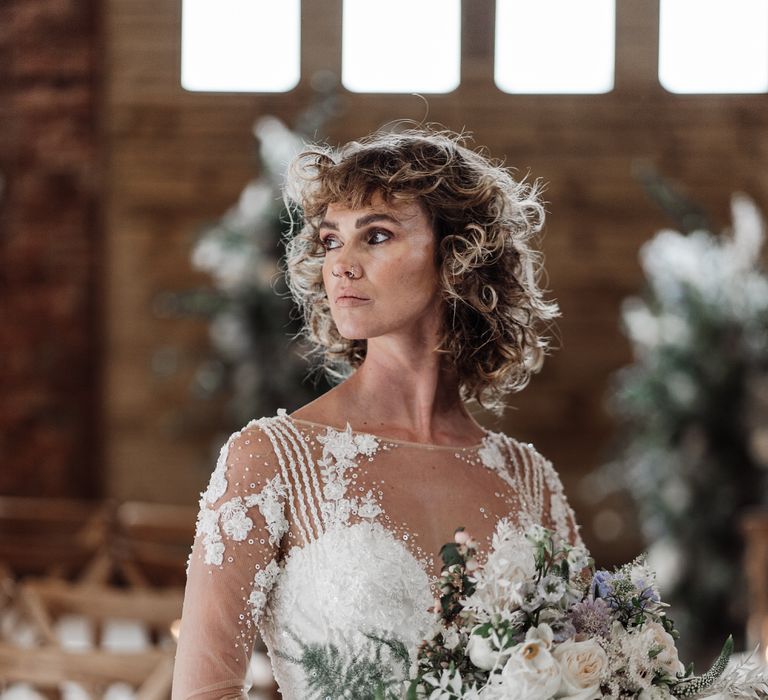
[537, 622]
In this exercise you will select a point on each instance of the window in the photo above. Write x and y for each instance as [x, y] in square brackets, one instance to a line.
[555, 46]
[711, 46]
[401, 45]
[240, 45]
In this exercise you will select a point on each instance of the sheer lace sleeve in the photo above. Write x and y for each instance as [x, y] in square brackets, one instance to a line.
[232, 567]
[557, 512]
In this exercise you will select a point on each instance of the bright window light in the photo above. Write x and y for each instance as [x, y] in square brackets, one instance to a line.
[712, 46]
[401, 45]
[240, 45]
[555, 46]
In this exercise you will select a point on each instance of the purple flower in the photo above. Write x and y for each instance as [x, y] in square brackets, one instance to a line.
[602, 584]
[647, 593]
[592, 617]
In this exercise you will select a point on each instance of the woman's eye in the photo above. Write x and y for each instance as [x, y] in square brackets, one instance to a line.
[327, 242]
[374, 234]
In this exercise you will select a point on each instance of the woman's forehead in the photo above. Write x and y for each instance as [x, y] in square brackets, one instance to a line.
[399, 208]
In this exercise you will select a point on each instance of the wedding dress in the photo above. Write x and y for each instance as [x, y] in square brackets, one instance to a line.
[326, 543]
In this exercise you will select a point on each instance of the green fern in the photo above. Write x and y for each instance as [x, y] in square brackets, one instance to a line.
[358, 674]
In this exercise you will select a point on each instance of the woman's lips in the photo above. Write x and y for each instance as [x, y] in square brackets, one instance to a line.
[351, 301]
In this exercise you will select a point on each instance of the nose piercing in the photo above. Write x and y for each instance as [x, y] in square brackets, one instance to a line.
[350, 273]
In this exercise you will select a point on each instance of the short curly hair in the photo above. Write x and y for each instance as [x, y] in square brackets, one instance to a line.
[483, 220]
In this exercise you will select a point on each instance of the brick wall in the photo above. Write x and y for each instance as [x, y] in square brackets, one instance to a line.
[50, 237]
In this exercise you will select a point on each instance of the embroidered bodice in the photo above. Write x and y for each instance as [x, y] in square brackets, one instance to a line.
[326, 543]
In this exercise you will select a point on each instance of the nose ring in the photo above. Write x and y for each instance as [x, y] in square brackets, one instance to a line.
[350, 273]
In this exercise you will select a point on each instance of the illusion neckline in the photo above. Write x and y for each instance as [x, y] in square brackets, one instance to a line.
[382, 438]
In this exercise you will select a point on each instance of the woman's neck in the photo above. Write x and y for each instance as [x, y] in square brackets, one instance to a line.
[409, 395]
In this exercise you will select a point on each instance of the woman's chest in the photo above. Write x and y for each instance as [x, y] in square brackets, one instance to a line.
[430, 504]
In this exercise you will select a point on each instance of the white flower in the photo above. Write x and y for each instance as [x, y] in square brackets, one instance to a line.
[481, 652]
[508, 567]
[531, 672]
[658, 638]
[578, 559]
[551, 589]
[582, 666]
[543, 633]
[629, 650]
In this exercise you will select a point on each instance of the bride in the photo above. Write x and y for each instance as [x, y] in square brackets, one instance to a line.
[320, 530]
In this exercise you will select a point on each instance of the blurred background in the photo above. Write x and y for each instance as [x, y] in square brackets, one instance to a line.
[141, 150]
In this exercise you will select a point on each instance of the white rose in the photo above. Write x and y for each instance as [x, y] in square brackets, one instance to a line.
[531, 672]
[481, 653]
[582, 666]
[667, 659]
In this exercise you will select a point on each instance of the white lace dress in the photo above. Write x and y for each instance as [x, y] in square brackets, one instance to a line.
[326, 542]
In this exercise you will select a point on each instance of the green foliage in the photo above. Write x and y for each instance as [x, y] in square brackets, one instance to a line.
[359, 674]
[692, 407]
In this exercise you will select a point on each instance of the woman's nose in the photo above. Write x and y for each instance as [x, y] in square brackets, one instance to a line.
[345, 265]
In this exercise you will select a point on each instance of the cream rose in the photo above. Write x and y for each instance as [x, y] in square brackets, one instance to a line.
[667, 659]
[582, 666]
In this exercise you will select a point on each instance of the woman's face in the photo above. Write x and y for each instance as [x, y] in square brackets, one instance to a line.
[379, 269]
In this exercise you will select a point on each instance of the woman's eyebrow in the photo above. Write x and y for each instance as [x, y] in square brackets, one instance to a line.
[362, 221]
[370, 218]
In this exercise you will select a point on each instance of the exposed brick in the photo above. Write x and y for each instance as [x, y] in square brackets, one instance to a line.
[50, 442]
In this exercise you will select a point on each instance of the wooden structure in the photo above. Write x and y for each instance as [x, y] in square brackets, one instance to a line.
[98, 562]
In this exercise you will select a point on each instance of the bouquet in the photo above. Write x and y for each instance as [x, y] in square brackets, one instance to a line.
[537, 621]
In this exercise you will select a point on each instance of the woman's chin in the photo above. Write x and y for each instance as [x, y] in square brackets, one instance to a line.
[353, 335]
[354, 331]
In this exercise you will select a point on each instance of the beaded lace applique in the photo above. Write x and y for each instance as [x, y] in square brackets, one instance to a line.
[231, 516]
[341, 448]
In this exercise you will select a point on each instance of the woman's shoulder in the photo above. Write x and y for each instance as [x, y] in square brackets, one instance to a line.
[523, 458]
[519, 448]
[248, 455]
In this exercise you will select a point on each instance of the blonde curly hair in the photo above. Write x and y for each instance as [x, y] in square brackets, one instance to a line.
[483, 220]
